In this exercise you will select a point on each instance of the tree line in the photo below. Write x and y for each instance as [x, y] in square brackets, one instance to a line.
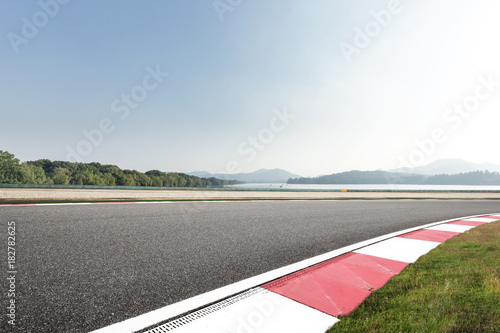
[45, 171]
[384, 177]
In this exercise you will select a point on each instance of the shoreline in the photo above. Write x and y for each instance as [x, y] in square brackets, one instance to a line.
[52, 194]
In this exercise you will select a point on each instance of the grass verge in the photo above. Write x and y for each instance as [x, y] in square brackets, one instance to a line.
[454, 288]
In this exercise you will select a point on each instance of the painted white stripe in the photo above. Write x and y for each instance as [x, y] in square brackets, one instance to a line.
[400, 249]
[64, 204]
[153, 202]
[263, 312]
[142, 202]
[451, 227]
[173, 310]
[480, 219]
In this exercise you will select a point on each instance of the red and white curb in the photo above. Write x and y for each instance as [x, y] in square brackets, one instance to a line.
[304, 297]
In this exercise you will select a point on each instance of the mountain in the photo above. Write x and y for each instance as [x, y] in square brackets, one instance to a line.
[259, 176]
[450, 166]
[362, 177]
[384, 177]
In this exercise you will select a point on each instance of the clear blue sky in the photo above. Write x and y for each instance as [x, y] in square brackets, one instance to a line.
[314, 87]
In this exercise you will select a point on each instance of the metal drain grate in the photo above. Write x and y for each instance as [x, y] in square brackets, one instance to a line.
[171, 325]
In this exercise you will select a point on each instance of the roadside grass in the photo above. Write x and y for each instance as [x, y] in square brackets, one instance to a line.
[454, 288]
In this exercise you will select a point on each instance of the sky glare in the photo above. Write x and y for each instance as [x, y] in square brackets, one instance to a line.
[313, 87]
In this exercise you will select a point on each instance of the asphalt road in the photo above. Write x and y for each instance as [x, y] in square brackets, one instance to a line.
[84, 267]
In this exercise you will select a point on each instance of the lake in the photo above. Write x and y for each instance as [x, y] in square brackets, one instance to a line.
[378, 187]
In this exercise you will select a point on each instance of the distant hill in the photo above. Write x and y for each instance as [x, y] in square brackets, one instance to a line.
[259, 176]
[384, 177]
[449, 166]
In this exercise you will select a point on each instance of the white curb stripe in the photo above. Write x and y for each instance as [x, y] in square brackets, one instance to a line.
[262, 312]
[451, 227]
[480, 219]
[399, 249]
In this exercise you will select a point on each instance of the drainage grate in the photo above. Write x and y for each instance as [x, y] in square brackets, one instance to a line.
[171, 325]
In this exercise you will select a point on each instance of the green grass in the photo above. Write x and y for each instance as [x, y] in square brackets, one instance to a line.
[454, 288]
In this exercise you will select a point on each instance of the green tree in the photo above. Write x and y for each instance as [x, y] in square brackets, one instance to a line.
[157, 181]
[45, 171]
[156, 173]
[32, 174]
[10, 170]
[61, 176]
[128, 180]
[140, 179]
[109, 179]
[181, 182]
[77, 178]
[47, 165]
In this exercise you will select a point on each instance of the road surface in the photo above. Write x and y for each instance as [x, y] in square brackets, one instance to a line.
[82, 267]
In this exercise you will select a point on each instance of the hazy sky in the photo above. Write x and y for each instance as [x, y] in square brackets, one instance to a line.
[313, 87]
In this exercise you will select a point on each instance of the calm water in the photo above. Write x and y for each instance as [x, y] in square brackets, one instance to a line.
[370, 187]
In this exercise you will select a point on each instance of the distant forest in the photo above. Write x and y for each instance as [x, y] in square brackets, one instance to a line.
[70, 173]
[384, 177]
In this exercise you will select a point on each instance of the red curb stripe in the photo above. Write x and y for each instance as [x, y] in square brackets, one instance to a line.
[430, 235]
[323, 294]
[337, 287]
[284, 280]
[492, 216]
[376, 263]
